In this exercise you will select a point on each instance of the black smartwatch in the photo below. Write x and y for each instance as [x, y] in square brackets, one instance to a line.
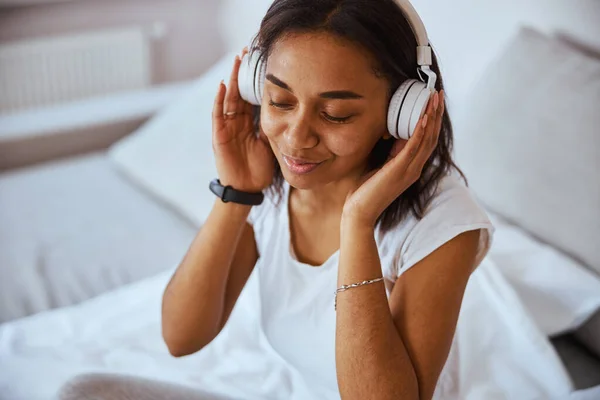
[228, 194]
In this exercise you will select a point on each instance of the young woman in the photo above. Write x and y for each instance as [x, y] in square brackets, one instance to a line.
[364, 243]
[348, 204]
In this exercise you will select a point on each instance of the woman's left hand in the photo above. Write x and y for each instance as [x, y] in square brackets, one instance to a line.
[378, 189]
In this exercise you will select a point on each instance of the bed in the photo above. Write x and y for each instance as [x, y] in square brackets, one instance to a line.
[119, 332]
[149, 196]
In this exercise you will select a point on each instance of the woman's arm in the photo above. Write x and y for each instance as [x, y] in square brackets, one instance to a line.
[207, 283]
[397, 350]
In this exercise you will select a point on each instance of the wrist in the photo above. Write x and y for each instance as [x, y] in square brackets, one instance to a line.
[234, 209]
[229, 194]
[356, 226]
[355, 221]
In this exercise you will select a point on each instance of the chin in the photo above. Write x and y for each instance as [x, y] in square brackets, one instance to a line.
[311, 180]
[306, 182]
[299, 182]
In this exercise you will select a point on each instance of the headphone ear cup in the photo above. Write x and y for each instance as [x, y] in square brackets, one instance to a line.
[406, 108]
[251, 78]
[260, 77]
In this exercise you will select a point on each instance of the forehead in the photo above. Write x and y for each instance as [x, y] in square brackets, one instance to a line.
[324, 61]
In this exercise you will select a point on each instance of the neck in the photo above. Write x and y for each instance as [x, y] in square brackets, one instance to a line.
[323, 200]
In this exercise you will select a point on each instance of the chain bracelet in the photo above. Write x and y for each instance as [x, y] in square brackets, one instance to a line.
[352, 285]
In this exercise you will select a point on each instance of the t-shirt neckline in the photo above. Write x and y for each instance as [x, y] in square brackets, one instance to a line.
[288, 239]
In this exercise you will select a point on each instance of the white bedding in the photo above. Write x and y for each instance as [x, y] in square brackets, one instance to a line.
[75, 228]
[500, 351]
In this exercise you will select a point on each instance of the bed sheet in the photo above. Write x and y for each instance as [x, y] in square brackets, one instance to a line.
[75, 228]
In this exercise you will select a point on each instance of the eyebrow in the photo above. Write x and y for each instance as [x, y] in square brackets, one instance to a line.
[335, 94]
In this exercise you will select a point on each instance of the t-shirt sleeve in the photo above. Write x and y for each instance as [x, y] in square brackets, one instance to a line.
[257, 219]
[255, 214]
[452, 211]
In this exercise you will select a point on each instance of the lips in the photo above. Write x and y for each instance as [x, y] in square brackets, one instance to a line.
[301, 160]
[300, 166]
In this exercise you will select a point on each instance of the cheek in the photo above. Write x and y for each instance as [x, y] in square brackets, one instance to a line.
[270, 125]
[343, 144]
[354, 141]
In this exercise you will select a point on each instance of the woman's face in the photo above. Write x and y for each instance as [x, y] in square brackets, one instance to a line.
[323, 103]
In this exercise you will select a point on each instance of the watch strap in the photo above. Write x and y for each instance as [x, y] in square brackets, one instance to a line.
[230, 195]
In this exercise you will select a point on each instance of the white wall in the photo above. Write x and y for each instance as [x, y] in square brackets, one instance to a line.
[468, 34]
[240, 20]
[186, 48]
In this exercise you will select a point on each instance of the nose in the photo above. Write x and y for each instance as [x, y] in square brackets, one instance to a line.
[299, 133]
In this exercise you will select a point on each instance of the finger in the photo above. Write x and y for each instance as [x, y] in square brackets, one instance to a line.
[233, 94]
[424, 127]
[409, 151]
[430, 136]
[434, 135]
[412, 154]
[429, 133]
[388, 175]
[431, 118]
[440, 115]
[417, 135]
[243, 106]
[218, 118]
[436, 118]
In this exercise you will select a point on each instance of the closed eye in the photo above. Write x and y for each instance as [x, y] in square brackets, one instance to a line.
[282, 106]
[330, 118]
[336, 120]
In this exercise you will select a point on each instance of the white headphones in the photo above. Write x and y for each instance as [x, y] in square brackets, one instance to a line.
[408, 102]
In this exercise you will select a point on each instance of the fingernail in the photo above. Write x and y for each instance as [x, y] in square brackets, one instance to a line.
[424, 124]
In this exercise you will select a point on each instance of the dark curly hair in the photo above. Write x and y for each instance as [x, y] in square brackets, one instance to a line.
[380, 27]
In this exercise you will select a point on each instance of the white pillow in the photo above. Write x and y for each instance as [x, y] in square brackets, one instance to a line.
[559, 293]
[529, 142]
[171, 156]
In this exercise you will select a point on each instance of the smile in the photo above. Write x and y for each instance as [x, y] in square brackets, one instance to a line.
[300, 168]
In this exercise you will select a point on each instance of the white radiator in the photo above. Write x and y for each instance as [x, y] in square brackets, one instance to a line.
[64, 68]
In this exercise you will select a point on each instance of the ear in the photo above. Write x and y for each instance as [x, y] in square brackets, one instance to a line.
[386, 136]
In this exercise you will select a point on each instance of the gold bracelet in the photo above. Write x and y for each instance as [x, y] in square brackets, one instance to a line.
[353, 285]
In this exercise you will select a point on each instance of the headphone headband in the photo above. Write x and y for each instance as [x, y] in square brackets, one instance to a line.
[418, 27]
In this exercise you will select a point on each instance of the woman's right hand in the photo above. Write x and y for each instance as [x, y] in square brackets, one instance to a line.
[244, 160]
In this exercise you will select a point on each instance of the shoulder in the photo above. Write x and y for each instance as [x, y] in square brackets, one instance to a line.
[453, 210]
[453, 195]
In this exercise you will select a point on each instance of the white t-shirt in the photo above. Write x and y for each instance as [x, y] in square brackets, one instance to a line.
[297, 299]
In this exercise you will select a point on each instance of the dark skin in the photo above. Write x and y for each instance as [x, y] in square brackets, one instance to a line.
[398, 348]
